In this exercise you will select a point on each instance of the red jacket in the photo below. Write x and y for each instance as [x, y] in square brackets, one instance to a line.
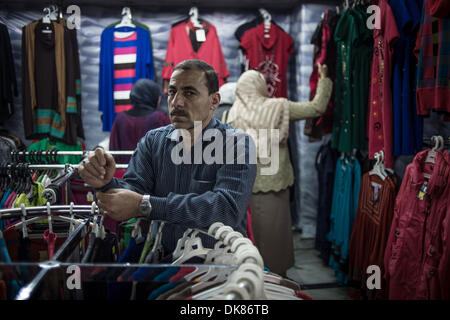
[416, 258]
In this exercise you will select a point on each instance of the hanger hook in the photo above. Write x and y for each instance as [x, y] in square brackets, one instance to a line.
[49, 214]
[24, 225]
[441, 143]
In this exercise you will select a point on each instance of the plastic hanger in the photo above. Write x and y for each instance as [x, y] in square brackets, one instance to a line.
[180, 244]
[431, 156]
[126, 19]
[267, 21]
[193, 248]
[193, 14]
[24, 216]
[49, 217]
[157, 244]
[53, 15]
[46, 18]
[377, 169]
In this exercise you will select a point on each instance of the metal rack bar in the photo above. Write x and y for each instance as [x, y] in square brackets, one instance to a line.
[63, 166]
[72, 153]
[80, 210]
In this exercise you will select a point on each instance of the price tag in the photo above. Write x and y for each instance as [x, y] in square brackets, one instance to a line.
[90, 197]
[200, 35]
[423, 191]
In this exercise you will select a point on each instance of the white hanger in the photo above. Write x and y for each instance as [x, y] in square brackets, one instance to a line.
[193, 248]
[431, 156]
[180, 244]
[158, 239]
[46, 18]
[126, 19]
[193, 13]
[53, 15]
[377, 168]
[72, 226]
[267, 21]
[137, 230]
[24, 224]
[49, 216]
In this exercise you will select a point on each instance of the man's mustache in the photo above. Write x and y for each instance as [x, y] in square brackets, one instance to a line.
[178, 113]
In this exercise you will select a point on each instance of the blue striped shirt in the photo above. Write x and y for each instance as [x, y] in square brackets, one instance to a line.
[192, 195]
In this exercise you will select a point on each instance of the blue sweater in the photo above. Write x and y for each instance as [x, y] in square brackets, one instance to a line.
[144, 68]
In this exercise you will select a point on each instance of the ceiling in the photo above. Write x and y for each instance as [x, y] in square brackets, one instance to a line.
[170, 4]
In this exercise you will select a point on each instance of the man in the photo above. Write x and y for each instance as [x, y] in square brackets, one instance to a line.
[186, 195]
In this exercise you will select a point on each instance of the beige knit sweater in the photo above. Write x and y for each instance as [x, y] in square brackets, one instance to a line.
[284, 177]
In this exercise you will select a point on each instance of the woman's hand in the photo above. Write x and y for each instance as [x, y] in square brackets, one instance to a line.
[323, 70]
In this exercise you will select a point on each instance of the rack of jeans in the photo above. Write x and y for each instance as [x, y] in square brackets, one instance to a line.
[233, 269]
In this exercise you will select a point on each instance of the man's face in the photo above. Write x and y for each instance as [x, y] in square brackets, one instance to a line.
[189, 100]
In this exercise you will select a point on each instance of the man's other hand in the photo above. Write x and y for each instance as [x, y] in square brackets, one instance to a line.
[119, 204]
[98, 169]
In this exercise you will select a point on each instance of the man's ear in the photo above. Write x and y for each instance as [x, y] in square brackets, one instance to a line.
[215, 100]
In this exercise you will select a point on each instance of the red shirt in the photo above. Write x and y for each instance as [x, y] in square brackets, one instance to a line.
[180, 48]
[417, 254]
[270, 55]
[380, 115]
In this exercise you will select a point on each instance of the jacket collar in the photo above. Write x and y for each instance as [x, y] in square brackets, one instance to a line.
[439, 175]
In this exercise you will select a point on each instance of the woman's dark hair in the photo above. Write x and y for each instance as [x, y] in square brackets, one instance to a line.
[212, 80]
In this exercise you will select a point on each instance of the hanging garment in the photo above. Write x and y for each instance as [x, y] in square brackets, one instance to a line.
[380, 109]
[417, 252]
[51, 87]
[352, 80]
[8, 81]
[346, 189]
[122, 63]
[325, 53]
[270, 55]
[180, 48]
[370, 232]
[433, 84]
[407, 125]
[325, 165]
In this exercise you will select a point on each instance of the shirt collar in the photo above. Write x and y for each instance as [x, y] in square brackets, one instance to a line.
[439, 175]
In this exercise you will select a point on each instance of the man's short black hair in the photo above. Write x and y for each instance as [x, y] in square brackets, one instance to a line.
[212, 80]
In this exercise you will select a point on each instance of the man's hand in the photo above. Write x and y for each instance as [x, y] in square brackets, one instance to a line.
[323, 70]
[98, 169]
[120, 204]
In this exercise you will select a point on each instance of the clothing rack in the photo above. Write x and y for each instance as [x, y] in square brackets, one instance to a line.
[69, 153]
[244, 278]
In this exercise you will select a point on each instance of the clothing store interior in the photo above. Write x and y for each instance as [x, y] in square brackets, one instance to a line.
[357, 209]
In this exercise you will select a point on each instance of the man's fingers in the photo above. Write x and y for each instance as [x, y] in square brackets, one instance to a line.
[100, 156]
[92, 169]
[86, 174]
